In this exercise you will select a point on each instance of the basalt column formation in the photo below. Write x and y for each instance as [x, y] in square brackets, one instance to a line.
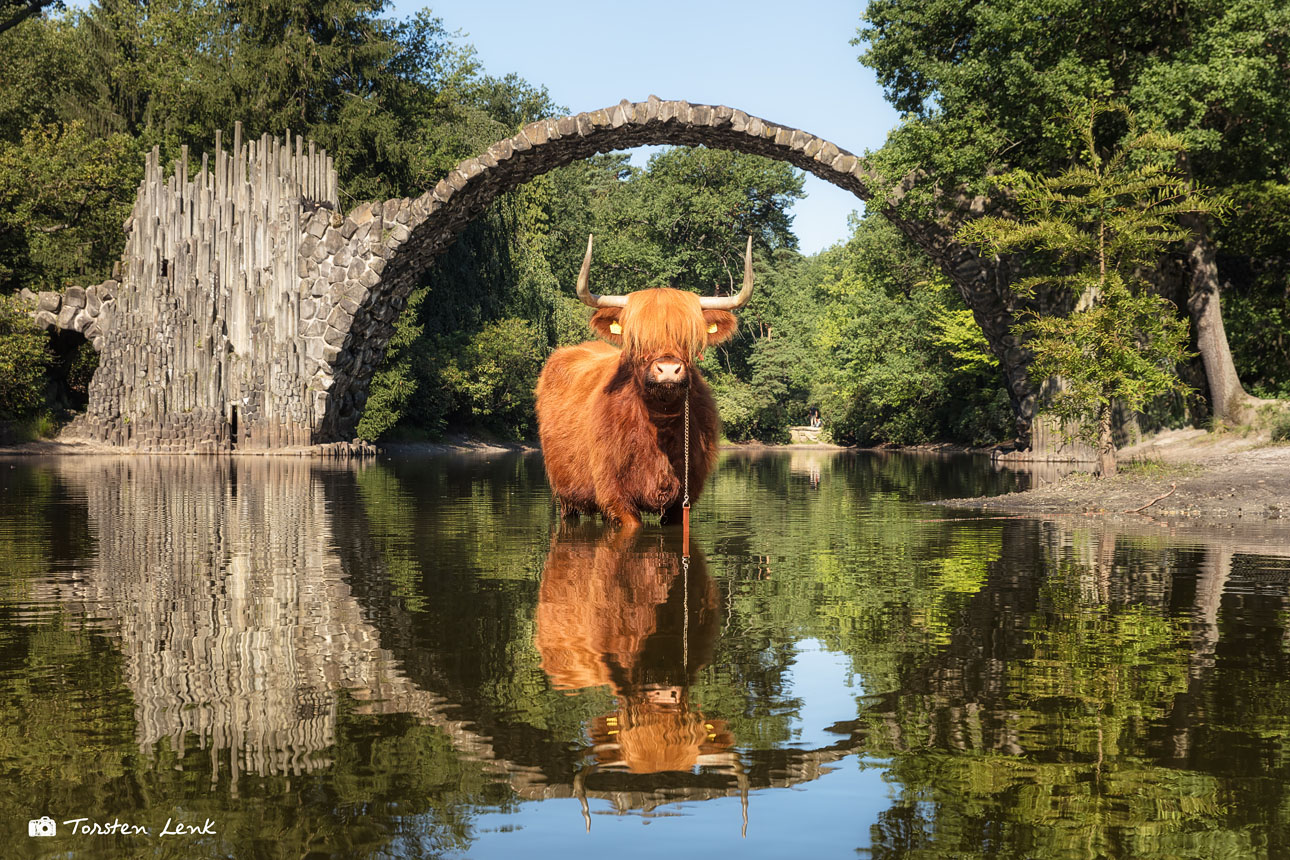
[200, 350]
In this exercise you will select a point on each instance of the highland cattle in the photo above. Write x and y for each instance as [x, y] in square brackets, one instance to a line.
[614, 415]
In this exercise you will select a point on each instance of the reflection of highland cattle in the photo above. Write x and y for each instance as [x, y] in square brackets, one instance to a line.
[621, 611]
[612, 421]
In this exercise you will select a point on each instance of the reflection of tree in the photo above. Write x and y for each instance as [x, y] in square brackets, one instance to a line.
[1036, 689]
[1069, 747]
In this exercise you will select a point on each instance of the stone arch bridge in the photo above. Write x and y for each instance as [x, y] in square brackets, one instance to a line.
[249, 312]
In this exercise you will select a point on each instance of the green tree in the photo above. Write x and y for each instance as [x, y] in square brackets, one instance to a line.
[64, 193]
[1104, 221]
[495, 373]
[901, 360]
[24, 356]
[982, 86]
[14, 12]
[41, 62]
[684, 219]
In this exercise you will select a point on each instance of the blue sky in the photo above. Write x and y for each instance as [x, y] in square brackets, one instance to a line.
[791, 63]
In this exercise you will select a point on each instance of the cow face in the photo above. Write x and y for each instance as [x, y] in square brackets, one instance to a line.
[663, 332]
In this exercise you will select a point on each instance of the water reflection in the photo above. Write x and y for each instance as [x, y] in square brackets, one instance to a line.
[413, 658]
[1082, 712]
[629, 612]
[223, 583]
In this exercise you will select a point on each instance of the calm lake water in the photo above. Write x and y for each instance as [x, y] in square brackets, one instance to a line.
[414, 658]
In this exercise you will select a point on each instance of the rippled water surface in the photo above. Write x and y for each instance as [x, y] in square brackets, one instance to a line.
[413, 657]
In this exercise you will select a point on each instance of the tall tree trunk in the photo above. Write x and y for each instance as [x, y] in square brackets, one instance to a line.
[1227, 398]
[1105, 442]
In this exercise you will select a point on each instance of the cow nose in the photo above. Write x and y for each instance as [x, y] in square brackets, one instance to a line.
[668, 370]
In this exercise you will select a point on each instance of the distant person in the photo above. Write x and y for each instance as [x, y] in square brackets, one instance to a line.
[813, 416]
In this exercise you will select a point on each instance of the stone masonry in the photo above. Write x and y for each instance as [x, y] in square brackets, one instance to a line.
[251, 314]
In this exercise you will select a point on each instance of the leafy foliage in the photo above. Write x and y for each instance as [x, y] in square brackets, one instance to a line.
[678, 223]
[1104, 222]
[985, 86]
[906, 362]
[24, 356]
[1281, 429]
[494, 374]
[63, 196]
[1255, 254]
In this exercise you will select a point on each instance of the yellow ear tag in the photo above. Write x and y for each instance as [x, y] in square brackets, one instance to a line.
[712, 329]
[615, 328]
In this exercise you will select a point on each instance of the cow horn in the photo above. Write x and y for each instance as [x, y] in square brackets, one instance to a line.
[730, 303]
[587, 296]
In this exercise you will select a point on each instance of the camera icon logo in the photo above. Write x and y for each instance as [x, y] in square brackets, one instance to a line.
[43, 826]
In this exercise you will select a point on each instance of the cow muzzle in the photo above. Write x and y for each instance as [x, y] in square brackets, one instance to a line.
[668, 371]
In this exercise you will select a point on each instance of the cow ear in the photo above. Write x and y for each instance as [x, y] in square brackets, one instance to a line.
[605, 323]
[720, 325]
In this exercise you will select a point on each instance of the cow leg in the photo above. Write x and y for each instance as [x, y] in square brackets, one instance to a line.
[622, 513]
[666, 490]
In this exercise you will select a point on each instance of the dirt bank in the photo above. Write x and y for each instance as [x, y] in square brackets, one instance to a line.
[460, 444]
[1183, 475]
[65, 445]
[51, 447]
[456, 445]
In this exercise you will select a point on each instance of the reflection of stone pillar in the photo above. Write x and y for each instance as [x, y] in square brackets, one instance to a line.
[1105, 565]
[236, 621]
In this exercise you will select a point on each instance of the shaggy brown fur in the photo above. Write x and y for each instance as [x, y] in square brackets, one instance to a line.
[613, 441]
[611, 612]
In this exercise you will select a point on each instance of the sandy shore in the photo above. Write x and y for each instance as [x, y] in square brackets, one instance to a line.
[1183, 475]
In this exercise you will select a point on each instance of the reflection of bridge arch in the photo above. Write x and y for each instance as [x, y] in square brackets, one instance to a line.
[241, 630]
[249, 312]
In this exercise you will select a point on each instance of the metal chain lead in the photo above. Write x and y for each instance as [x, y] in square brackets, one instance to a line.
[685, 624]
[685, 557]
[685, 500]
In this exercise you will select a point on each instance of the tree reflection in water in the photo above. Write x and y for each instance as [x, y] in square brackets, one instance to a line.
[370, 662]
